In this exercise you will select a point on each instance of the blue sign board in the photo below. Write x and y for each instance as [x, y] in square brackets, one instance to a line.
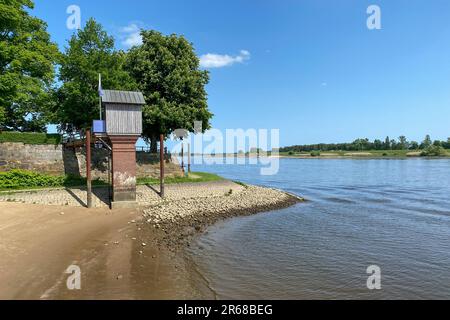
[98, 126]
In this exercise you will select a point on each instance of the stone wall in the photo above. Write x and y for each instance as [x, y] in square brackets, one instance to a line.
[57, 160]
[42, 158]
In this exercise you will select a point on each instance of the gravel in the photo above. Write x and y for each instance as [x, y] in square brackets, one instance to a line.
[176, 222]
[146, 195]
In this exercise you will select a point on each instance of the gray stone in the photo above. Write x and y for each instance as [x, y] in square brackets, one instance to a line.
[124, 204]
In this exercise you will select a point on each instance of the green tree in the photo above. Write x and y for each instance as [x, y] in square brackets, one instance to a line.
[446, 144]
[387, 143]
[393, 144]
[90, 53]
[167, 71]
[413, 145]
[2, 117]
[378, 144]
[361, 144]
[437, 143]
[27, 61]
[426, 143]
[403, 143]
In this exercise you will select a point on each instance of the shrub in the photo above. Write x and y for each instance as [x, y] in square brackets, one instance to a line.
[16, 179]
[433, 151]
[315, 154]
[22, 179]
[30, 137]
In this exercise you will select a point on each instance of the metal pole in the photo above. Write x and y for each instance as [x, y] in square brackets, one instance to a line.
[100, 92]
[161, 164]
[88, 168]
[189, 158]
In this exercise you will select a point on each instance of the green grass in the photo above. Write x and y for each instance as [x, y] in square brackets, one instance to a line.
[193, 177]
[241, 184]
[30, 138]
[16, 180]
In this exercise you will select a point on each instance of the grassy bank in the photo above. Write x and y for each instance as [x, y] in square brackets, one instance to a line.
[23, 180]
[360, 154]
[30, 138]
[192, 177]
[16, 180]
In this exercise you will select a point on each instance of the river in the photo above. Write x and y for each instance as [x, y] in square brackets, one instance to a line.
[394, 214]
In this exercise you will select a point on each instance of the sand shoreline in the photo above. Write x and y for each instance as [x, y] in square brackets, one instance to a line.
[122, 254]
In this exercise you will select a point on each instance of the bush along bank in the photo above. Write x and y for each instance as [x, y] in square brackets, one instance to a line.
[23, 179]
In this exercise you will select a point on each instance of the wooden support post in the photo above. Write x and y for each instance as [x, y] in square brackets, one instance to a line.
[88, 168]
[161, 164]
[189, 158]
[182, 156]
[110, 177]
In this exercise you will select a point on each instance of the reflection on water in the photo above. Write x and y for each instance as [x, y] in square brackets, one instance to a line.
[390, 213]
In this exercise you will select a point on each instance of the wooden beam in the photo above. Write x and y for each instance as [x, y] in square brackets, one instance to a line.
[189, 157]
[182, 156]
[161, 164]
[88, 168]
[75, 144]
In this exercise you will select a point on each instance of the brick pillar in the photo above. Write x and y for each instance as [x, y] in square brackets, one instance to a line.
[123, 169]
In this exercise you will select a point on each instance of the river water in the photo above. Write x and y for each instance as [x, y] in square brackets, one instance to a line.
[394, 214]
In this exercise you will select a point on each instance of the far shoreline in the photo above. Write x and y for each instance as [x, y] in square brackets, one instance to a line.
[362, 157]
[354, 155]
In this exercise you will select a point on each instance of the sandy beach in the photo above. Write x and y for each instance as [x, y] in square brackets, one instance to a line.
[122, 254]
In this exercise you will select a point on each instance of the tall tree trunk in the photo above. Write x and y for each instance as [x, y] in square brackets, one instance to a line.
[154, 144]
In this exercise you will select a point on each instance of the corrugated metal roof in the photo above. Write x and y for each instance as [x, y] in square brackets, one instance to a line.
[123, 97]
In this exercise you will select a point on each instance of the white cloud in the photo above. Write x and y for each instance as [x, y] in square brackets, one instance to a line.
[213, 60]
[131, 35]
[132, 27]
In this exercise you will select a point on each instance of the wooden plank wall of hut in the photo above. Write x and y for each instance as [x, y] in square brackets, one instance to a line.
[123, 119]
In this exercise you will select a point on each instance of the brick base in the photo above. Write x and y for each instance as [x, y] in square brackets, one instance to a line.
[123, 168]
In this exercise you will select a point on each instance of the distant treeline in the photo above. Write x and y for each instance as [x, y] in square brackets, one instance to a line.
[401, 143]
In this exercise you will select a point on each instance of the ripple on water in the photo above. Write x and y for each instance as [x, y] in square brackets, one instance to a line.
[395, 214]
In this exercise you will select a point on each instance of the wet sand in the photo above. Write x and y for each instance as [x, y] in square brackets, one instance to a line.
[39, 244]
[120, 253]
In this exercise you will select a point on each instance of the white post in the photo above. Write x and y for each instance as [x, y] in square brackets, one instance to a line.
[100, 93]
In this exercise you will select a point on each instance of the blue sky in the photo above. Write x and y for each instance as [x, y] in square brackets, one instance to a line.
[309, 68]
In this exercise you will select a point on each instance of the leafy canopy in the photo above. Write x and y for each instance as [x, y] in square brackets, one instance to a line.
[2, 117]
[166, 69]
[90, 52]
[27, 61]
